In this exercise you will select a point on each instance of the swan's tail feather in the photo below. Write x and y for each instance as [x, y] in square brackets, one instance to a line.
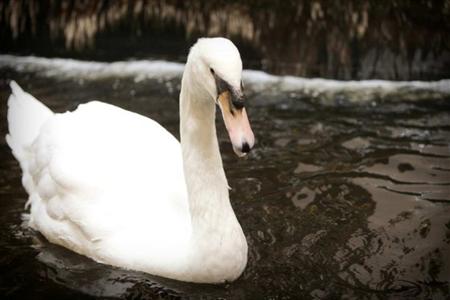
[25, 118]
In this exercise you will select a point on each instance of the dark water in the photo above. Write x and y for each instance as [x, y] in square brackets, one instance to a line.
[346, 200]
[355, 39]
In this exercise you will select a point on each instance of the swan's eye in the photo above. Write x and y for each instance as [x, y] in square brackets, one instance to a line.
[211, 70]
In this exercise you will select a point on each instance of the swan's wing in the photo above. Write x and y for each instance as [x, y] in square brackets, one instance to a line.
[101, 172]
[100, 145]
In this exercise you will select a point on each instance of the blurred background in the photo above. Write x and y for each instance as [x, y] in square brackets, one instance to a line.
[360, 39]
[347, 192]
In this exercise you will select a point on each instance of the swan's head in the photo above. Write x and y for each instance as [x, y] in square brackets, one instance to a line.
[217, 67]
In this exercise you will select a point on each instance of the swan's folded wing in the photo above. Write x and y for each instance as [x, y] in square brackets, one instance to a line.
[101, 170]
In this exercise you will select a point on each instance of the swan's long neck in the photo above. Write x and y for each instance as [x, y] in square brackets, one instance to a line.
[215, 229]
[205, 178]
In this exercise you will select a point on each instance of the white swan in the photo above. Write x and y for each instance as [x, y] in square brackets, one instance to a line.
[117, 187]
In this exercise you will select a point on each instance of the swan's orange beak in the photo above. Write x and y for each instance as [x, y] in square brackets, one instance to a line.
[237, 124]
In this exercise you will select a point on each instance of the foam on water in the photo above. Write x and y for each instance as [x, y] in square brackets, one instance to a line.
[257, 81]
[55, 67]
[361, 90]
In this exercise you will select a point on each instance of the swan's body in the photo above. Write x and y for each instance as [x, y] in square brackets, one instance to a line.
[117, 187]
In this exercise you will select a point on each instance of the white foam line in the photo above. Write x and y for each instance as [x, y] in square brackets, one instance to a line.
[257, 80]
[313, 86]
[52, 67]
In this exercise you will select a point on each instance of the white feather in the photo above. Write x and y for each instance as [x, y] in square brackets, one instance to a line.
[110, 184]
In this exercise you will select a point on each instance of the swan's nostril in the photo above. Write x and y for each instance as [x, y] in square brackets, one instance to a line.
[245, 147]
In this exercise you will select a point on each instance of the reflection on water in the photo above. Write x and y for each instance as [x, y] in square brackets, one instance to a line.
[335, 201]
[351, 39]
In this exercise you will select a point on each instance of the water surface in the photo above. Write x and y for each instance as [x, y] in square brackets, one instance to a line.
[346, 194]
